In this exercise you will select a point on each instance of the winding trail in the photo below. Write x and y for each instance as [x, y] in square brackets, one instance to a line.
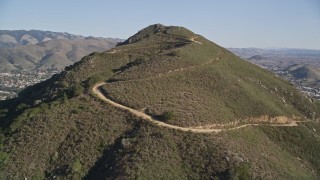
[194, 39]
[97, 90]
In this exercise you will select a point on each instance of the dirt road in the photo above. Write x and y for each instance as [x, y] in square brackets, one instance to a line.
[97, 91]
[194, 39]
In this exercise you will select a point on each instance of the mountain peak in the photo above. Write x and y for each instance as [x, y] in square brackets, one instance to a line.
[157, 29]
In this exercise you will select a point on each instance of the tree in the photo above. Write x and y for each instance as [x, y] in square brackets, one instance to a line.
[77, 90]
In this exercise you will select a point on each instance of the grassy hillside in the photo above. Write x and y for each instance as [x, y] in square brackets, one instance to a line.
[60, 129]
[218, 87]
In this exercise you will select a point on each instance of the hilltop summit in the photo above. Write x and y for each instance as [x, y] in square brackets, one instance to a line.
[168, 104]
[159, 29]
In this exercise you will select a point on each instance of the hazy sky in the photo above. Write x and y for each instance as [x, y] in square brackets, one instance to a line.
[230, 23]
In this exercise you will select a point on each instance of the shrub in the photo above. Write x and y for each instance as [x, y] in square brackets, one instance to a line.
[38, 175]
[168, 115]
[241, 172]
[76, 169]
[3, 159]
[93, 80]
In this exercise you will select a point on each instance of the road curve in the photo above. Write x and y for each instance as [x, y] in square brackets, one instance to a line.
[96, 90]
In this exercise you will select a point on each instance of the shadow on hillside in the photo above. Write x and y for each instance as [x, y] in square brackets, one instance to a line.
[109, 166]
[105, 166]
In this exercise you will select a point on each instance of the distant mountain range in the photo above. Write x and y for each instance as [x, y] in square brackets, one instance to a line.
[45, 50]
[296, 53]
[13, 38]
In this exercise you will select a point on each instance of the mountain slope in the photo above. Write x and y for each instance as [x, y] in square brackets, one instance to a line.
[52, 54]
[61, 129]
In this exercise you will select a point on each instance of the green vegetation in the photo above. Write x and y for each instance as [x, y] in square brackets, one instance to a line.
[168, 116]
[77, 90]
[76, 169]
[254, 147]
[242, 172]
[179, 32]
[225, 90]
[60, 129]
[3, 159]
[302, 142]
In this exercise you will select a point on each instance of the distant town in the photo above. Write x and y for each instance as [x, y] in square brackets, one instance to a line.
[312, 91]
[13, 82]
